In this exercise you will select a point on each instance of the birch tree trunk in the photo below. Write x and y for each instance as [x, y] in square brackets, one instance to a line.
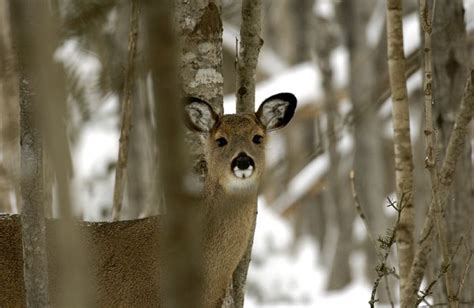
[450, 70]
[200, 30]
[402, 141]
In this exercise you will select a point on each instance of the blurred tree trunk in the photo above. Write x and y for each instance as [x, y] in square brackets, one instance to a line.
[287, 28]
[325, 42]
[183, 282]
[31, 173]
[368, 159]
[450, 70]
[37, 39]
[9, 115]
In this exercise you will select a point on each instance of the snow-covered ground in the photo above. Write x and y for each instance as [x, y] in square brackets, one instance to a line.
[284, 273]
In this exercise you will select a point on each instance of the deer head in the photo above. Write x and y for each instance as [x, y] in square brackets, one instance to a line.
[235, 144]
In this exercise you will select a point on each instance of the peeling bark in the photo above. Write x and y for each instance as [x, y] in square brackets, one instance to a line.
[200, 29]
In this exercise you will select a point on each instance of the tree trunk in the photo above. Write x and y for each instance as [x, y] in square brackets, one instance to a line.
[31, 176]
[402, 141]
[181, 277]
[37, 40]
[368, 157]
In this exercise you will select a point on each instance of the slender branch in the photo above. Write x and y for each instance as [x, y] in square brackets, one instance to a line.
[363, 217]
[126, 116]
[386, 244]
[464, 274]
[430, 137]
[402, 142]
[442, 271]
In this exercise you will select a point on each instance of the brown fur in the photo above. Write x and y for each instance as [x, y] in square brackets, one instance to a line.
[124, 259]
[124, 252]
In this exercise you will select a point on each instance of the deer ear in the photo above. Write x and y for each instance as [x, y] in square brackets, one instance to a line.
[277, 110]
[199, 115]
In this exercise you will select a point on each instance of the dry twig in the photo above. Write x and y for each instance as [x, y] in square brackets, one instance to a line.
[464, 273]
[442, 271]
[386, 243]
[363, 217]
[126, 116]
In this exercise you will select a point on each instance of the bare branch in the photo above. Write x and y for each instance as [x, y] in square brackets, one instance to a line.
[442, 271]
[386, 244]
[363, 217]
[464, 274]
[126, 116]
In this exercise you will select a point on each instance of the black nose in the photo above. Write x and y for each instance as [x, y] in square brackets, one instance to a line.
[243, 162]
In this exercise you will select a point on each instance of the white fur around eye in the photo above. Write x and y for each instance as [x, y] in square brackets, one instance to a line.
[201, 116]
[273, 113]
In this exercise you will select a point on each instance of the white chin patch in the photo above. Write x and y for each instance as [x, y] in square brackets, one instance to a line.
[243, 174]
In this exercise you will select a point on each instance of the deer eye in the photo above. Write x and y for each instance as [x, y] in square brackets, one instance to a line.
[257, 139]
[221, 142]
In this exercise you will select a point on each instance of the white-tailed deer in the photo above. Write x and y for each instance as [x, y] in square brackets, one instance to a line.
[123, 254]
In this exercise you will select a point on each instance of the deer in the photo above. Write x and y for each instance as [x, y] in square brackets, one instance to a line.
[123, 253]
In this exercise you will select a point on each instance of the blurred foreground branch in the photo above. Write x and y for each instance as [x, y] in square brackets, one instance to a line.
[181, 278]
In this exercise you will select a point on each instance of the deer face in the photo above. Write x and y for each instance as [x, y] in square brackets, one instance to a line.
[235, 144]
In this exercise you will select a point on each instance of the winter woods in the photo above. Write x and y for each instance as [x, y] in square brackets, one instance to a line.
[125, 181]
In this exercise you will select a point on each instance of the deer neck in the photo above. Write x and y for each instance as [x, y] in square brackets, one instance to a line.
[227, 227]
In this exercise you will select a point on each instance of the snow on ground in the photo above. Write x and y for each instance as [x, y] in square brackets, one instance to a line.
[284, 273]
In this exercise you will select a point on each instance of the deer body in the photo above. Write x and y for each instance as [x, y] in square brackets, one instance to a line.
[123, 255]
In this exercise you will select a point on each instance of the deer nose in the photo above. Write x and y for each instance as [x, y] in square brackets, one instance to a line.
[243, 162]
